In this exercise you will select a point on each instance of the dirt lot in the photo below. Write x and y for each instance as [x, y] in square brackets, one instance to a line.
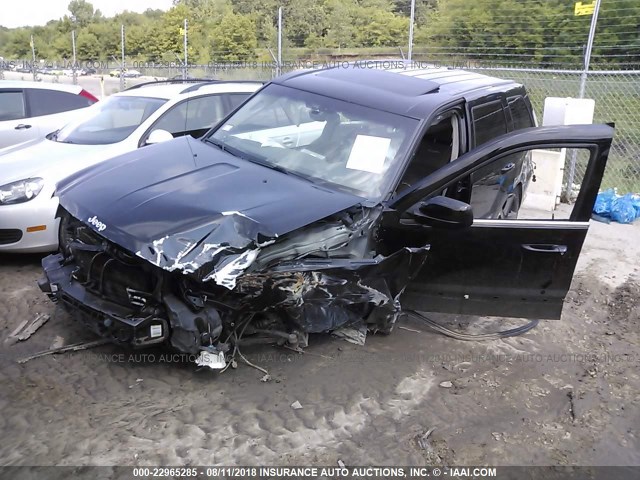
[565, 393]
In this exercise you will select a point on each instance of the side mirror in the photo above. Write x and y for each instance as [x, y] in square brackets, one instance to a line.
[443, 212]
[158, 136]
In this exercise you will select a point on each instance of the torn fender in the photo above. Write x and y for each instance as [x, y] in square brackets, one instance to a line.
[322, 295]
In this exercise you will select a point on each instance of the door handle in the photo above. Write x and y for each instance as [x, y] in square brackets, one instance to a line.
[545, 248]
[508, 167]
[22, 126]
[287, 141]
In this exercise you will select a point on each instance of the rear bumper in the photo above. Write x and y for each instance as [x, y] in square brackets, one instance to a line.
[107, 319]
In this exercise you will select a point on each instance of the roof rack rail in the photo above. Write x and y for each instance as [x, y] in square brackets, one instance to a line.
[172, 81]
[197, 86]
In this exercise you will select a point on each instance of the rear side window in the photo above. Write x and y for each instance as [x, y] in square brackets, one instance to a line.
[192, 115]
[48, 102]
[11, 105]
[520, 113]
[489, 122]
[237, 99]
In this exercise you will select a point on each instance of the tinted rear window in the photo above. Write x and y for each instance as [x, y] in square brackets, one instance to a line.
[48, 102]
[237, 98]
[520, 113]
[11, 105]
[489, 122]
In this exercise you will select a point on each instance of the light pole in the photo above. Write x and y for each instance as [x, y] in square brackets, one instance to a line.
[411, 21]
[583, 85]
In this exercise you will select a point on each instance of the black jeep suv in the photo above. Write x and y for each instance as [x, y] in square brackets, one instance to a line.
[330, 198]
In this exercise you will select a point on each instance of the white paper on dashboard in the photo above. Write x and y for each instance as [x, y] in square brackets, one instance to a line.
[368, 153]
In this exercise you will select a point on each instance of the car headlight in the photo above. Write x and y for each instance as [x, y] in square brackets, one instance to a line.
[20, 191]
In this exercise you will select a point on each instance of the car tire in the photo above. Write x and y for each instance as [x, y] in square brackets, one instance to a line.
[510, 209]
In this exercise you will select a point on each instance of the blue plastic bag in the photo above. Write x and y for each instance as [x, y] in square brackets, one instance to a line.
[622, 209]
[635, 200]
[604, 202]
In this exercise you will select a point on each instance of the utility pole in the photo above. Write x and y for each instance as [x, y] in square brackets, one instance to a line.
[581, 92]
[411, 21]
[587, 53]
[73, 67]
[33, 64]
[122, 65]
[279, 66]
[185, 70]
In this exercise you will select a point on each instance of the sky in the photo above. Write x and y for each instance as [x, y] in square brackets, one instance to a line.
[38, 12]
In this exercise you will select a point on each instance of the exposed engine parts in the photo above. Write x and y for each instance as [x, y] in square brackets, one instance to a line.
[214, 297]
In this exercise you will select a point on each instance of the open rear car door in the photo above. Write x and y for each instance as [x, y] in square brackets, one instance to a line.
[516, 267]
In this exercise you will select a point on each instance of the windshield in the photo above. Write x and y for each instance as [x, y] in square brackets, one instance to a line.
[348, 146]
[110, 121]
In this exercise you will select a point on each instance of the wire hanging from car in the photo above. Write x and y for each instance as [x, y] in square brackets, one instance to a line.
[473, 337]
[236, 348]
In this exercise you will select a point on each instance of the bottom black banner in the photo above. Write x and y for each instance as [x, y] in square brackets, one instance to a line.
[317, 472]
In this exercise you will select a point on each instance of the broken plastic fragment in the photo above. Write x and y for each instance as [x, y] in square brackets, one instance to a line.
[355, 334]
[213, 360]
[226, 276]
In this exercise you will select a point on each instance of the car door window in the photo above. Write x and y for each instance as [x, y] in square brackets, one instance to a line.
[520, 113]
[237, 99]
[12, 105]
[49, 102]
[192, 117]
[488, 121]
[524, 185]
[439, 146]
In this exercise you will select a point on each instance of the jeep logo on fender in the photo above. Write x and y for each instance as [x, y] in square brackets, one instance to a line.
[97, 223]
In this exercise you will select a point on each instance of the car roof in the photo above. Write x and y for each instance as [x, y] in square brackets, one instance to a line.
[173, 90]
[395, 86]
[62, 87]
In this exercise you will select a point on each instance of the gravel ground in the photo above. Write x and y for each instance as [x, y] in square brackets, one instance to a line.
[563, 394]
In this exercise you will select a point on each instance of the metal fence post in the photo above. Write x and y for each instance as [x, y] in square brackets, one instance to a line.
[73, 67]
[122, 65]
[33, 65]
[185, 70]
[411, 22]
[581, 92]
[279, 65]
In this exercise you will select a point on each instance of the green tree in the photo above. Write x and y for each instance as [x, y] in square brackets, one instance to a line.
[303, 18]
[88, 47]
[18, 44]
[82, 12]
[234, 38]
[340, 30]
[380, 28]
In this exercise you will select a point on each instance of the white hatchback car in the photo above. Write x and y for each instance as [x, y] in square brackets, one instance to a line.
[143, 115]
[30, 110]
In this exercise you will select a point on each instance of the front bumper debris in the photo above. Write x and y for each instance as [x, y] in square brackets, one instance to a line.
[101, 316]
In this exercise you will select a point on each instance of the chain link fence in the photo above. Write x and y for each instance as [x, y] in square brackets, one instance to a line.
[616, 95]
[617, 99]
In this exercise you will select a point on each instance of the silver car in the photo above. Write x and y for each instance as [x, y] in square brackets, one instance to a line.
[123, 122]
[31, 110]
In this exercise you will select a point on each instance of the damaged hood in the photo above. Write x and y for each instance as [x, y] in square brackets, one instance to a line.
[182, 203]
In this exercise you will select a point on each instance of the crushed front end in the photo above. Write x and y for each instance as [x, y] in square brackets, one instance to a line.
[203, 296]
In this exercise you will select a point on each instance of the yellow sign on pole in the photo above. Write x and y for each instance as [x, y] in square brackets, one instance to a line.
[584, 9]
[181, 31]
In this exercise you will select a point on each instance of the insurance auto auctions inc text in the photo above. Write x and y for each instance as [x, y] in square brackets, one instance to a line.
[358, 472]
